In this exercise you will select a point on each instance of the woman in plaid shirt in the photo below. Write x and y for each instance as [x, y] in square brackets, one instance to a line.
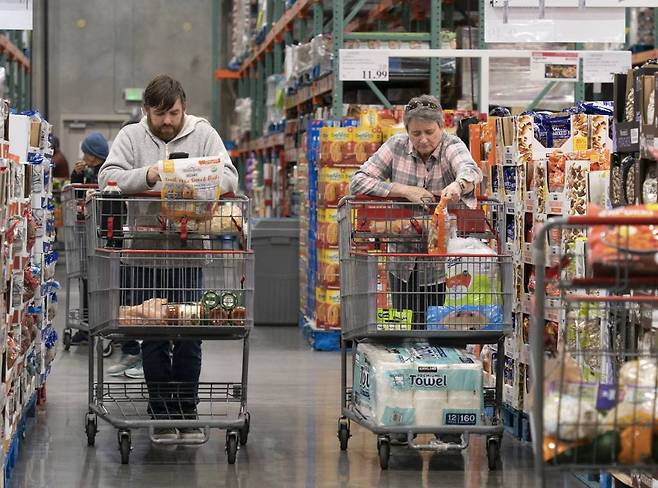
[418, 166]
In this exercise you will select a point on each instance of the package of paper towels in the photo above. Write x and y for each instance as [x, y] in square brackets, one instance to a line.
[416, 384]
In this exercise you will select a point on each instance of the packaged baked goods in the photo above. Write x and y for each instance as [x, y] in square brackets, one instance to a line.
[153, 311]
[632, 248]
[191, 187]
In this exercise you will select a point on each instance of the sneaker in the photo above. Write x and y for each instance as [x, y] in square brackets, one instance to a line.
[126, 361]
[191, 434]
[164, 434]
[79, 338]
[136, 373]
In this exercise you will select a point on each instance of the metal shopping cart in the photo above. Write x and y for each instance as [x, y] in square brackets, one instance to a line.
[383, 248]
[595, 392]
[73, 201]
[171, 271]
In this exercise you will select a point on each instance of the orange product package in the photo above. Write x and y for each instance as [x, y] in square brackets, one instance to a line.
[366, 142]
[624, 247]
[332, 308]
[328, 266]
[328, 222]
[334, 184]
[437, 240]
[556, 171]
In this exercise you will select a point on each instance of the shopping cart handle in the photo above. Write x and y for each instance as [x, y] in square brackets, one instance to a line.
[157, 194]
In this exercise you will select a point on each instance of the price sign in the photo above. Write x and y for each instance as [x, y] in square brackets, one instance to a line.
[363, 65]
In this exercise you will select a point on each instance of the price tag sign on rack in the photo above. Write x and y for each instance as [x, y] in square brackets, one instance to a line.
[363, 65]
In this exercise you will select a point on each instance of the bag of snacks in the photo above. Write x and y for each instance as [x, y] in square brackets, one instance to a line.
[191, 187]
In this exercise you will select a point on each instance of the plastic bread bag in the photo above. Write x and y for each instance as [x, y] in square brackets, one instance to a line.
[472, 274]
[191, 187]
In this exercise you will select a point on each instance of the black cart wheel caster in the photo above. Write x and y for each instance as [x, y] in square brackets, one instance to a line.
[244, 431]
[66, 339]
[91, 428]
[343, 433]
[384, 448]
[493, 454]
[231, 447]
[125, 446]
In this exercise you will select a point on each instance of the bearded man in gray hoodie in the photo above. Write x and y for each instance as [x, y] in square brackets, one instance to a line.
[132, 163]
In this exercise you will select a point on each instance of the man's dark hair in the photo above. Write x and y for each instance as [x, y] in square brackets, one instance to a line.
[162, 93]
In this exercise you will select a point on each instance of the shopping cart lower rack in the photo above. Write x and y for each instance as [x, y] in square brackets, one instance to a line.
[169, 279]
[406, 310]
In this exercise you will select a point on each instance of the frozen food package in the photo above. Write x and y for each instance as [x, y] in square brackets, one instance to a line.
[191, 187]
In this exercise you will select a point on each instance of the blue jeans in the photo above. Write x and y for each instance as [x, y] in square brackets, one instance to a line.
[172, 378]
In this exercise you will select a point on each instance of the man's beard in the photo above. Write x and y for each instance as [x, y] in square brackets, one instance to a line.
[166, 133]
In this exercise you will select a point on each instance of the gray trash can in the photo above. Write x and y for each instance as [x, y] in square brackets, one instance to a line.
[276, 247]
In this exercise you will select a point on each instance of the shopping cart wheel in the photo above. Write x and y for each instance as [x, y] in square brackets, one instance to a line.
[231, 446]
[343, 433]
[124, 446]
[91, 428]
[108, 348]
[493, 453]
[244, 431]
[66, 339]
[384, 448]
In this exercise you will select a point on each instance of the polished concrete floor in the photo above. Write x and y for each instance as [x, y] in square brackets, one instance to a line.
[294, 402]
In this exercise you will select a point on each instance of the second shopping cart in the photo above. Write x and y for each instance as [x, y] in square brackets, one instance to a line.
[410, 314]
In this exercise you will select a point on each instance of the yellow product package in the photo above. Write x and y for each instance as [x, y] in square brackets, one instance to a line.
[191, 187]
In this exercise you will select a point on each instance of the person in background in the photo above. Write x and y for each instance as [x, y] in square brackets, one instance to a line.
[132, 163]
[61, 165]
[94, 153]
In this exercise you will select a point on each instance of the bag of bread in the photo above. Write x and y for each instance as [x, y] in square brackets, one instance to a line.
[191, 187]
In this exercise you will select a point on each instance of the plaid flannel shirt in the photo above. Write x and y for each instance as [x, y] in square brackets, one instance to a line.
[397, 161]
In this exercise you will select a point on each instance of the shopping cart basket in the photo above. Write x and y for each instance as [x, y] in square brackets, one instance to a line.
[73, 200]
[595, 392]
[458, 299]
[174, 270]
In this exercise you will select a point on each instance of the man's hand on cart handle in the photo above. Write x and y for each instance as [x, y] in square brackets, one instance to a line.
[414, 194]
[152, 175]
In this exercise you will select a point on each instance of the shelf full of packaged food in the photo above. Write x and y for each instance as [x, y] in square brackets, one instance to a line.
[308, 93]
[278, 30]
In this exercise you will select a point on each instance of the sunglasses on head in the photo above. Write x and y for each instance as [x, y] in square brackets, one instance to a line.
[415, 105]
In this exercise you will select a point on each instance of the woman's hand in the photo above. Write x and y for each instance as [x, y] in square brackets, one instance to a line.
[79, 167]
[414, 194]
[452, 193]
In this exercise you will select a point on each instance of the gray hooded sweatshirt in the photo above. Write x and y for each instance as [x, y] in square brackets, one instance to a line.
[135, 148]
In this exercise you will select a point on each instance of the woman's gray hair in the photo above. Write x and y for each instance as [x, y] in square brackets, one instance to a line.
[422, 111]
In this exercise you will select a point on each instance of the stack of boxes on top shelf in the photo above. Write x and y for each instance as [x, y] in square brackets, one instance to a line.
[540, 166]
[636, 135]
[27, 263]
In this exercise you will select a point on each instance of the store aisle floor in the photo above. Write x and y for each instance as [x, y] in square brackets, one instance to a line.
[294, 400]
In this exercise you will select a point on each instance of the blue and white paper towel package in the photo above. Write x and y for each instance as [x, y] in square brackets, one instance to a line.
[417, 384]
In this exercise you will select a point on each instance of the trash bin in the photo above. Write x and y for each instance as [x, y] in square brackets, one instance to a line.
[275, 242]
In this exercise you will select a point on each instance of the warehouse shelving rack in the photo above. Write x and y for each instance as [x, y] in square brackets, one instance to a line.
[363, 20]
[17, 66]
